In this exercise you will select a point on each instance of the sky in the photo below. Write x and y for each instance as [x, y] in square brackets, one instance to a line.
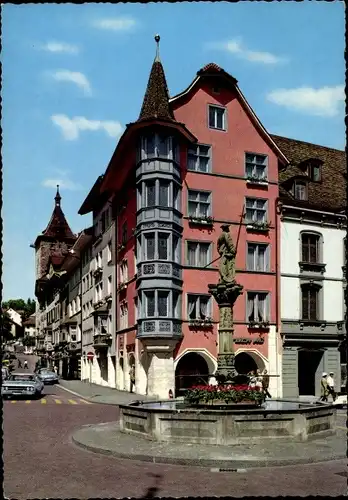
[75, 75]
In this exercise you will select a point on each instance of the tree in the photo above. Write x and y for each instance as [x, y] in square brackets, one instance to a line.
[27, 307]
[6, 325]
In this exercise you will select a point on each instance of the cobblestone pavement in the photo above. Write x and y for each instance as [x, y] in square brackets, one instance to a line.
[40, 461]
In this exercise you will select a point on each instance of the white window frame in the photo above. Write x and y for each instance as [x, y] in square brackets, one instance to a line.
[198, 297]
[255, 208]
[208, 203]
[256, 160]
[256, 256]
[266, 311]
[224, 116]
[198, 245]
[194, 154]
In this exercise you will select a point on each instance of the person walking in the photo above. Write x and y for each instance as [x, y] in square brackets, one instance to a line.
[258, 384]
[19, 363]
[324, 392]
[132, 377]
[252, 380]
[331, 386]
[265, 383]
[25, 364]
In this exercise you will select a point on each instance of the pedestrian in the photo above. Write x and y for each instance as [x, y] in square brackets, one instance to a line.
[132, 377]
[252, 380]
[323, 388]
[19, 363]
[265, 383]
[25, 363]
[258, 384]
[331, 386]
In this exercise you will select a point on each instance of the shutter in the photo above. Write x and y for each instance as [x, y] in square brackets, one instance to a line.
[290, 372]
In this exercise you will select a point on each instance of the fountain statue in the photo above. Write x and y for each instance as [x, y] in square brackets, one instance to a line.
[226, 292]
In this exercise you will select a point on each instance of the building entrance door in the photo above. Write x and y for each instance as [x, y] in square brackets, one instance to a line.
[244, 363]
[309, 362]
[192, 369]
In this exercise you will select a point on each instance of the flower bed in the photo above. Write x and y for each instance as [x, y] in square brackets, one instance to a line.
[224, 394]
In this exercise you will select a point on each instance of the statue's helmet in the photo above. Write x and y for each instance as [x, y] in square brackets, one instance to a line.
[225, 227]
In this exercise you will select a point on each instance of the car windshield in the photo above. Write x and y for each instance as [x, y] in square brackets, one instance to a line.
[25, 378]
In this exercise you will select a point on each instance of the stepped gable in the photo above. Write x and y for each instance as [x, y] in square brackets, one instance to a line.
[58, 227]
[329, 193]
[156, 99]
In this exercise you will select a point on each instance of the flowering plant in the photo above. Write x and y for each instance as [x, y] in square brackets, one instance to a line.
[224, 393]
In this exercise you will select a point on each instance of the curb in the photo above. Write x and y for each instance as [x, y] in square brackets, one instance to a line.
[90, 398]
[217, 465]
[73, 392]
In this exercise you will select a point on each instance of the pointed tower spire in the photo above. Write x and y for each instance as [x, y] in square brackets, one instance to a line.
[58, 226]
[156, 99]
[57, 197]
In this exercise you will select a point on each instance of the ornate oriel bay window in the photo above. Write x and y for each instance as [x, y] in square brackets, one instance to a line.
[159, 312]
[158, 146]
[162, 193]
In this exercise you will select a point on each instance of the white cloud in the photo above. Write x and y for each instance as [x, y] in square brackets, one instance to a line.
[324, 101]
[57, 47]
[79, 79]
[71, 127]
[115, 24]
[63, 183]
[236, 47]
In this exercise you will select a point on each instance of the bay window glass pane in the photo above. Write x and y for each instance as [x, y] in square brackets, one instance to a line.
[150, 146]
[175, 148]
[162, 147]
[150, 246]
[150, 303]
[150, 194]
[163, 246]
[163, 303]
[175, 255]
[175, 196]
[164, 194]
[175, 303]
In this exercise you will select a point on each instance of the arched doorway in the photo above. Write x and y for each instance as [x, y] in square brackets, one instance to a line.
[192, 369]
[245, 363]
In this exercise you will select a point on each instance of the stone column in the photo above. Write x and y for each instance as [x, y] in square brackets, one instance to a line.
[225, 296]
[161, 374]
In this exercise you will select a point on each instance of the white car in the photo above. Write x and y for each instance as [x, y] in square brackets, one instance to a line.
[22, 384]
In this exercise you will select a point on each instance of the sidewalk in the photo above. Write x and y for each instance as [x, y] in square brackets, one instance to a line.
[99, 394]
[107, 439]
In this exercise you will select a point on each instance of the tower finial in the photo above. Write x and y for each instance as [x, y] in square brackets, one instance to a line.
[57, 197]
[157, 40]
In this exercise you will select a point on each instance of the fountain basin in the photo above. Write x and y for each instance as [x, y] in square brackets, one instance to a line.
[173, 421]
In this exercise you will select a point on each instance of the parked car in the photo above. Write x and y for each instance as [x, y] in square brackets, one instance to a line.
[47, 376]
[22, 384]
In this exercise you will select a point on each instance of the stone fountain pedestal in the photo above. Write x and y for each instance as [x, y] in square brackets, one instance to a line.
[226, 295]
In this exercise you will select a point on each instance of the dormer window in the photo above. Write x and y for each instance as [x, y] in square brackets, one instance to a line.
[313, 169]
[300, 190]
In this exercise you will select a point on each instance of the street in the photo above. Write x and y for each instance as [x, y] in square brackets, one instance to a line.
[41, 461]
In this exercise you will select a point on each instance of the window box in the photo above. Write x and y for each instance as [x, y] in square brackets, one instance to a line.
[201, 323]
[261, 325]
[262, 227]
[102, 340]
[314, 267]
[205, 220]
[255, 180]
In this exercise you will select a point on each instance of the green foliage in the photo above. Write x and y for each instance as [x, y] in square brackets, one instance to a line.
[226, 394]
[6, 325]
[28, 307]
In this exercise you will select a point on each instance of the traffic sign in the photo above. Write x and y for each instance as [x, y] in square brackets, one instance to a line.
[90, 356]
